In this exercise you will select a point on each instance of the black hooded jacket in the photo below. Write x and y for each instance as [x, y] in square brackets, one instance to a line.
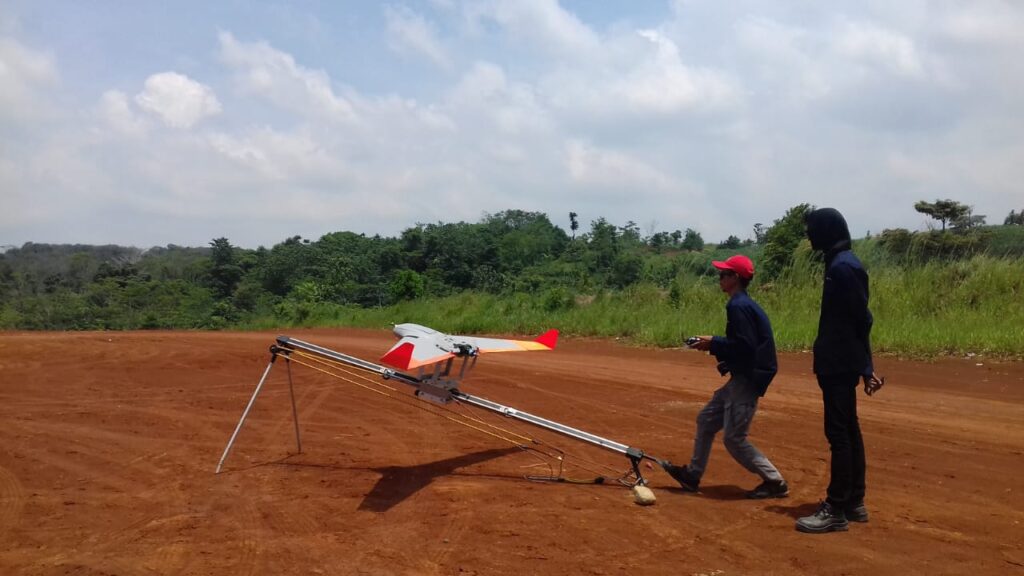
[843, 344]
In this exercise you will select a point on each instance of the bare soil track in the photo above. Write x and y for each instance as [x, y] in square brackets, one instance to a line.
[108, 444]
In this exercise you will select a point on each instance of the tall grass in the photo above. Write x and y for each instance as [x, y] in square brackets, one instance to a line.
[968, 306]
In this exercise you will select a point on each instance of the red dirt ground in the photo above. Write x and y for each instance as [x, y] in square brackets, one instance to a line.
[108, 444]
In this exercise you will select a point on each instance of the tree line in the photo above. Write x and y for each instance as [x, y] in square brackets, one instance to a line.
[46, 286]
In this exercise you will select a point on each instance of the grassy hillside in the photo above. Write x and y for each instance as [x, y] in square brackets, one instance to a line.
[968, 306]
[515, 272]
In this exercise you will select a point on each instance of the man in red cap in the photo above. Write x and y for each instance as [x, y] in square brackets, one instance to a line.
[747, 353]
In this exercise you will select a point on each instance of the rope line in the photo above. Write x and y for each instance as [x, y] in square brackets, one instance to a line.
[346, 368]
[597, 468]
[526, 443]
[417, 405]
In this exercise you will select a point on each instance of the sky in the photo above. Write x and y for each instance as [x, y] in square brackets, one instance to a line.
[152, 123]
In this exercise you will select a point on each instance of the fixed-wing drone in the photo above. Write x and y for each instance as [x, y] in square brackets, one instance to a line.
[433, 354]
[424, 359]
[421, 346]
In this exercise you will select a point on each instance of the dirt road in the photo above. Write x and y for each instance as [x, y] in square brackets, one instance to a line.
[108, 443]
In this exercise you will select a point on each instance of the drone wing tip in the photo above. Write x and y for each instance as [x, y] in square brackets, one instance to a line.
[548, 339]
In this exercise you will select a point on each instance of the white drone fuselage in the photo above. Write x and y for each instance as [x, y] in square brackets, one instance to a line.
[458, 345]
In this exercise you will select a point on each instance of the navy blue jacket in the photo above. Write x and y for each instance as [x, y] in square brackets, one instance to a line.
[843, 345]
[748, 346]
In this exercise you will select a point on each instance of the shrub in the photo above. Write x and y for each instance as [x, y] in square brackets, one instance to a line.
[896, 242]
[557, 298]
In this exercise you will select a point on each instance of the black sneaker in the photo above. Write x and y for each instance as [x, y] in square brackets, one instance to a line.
[682, 474]
[826, 519]
[769, 490]
[857, 513]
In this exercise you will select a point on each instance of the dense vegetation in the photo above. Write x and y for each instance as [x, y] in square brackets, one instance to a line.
[947, 291]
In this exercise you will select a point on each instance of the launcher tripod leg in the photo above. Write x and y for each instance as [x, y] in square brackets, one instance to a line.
[295, 412]
[227, 449]
[634, 460]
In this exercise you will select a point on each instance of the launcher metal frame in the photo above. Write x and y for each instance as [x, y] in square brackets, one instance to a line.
[437, 385]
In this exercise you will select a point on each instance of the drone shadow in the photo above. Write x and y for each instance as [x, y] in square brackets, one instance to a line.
[397, 483]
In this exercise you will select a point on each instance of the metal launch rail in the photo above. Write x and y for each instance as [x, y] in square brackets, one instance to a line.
[439, 386]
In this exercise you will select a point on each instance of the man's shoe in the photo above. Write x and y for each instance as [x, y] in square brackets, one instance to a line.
[688, 480]
[826, 519]
[857, 513]
[769, 490]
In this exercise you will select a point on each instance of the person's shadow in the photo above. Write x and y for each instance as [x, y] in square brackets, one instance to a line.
[400, 482]
[724, 492]
[794, 511]
[717, 492]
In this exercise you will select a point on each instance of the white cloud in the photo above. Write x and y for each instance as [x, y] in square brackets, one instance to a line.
[879, 47]
[411, 32]
[635, 74]
[987, 22]
[115, 109]
[177, 99]
[302, 158]
[26, 78]
[241, 150]
[661, 83]
[783, 59]
[485, 96]
[715, 117]
[593, 167]
[543, 24]
[272, 74]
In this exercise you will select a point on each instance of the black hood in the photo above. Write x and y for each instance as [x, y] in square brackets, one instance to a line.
[827, 230]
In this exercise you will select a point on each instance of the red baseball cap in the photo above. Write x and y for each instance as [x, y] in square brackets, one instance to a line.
[739, 264]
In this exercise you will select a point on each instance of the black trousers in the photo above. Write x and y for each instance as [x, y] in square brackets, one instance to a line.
[839, 393]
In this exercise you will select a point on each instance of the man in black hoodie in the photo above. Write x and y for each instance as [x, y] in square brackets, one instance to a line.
[842, 357]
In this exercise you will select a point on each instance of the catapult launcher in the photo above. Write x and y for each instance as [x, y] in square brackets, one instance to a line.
[433, 365]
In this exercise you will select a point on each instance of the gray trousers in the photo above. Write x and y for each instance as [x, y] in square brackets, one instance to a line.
[731, 408]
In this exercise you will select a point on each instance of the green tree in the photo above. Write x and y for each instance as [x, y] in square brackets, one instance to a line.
[285, 265]
[602, 244]
[896, 241]
[626, 269]
[759, 233]
[943, 210]
[224, 269]
[968, 221]
[1014, 219]
[574, 224]
[659, 240]
[781, 240]
[81, 270]
[406, 285]
[411, 245]
[7, 281]
[524, 239]
[692, 240]
[456, 250]
[731, 242]
[630, 234]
